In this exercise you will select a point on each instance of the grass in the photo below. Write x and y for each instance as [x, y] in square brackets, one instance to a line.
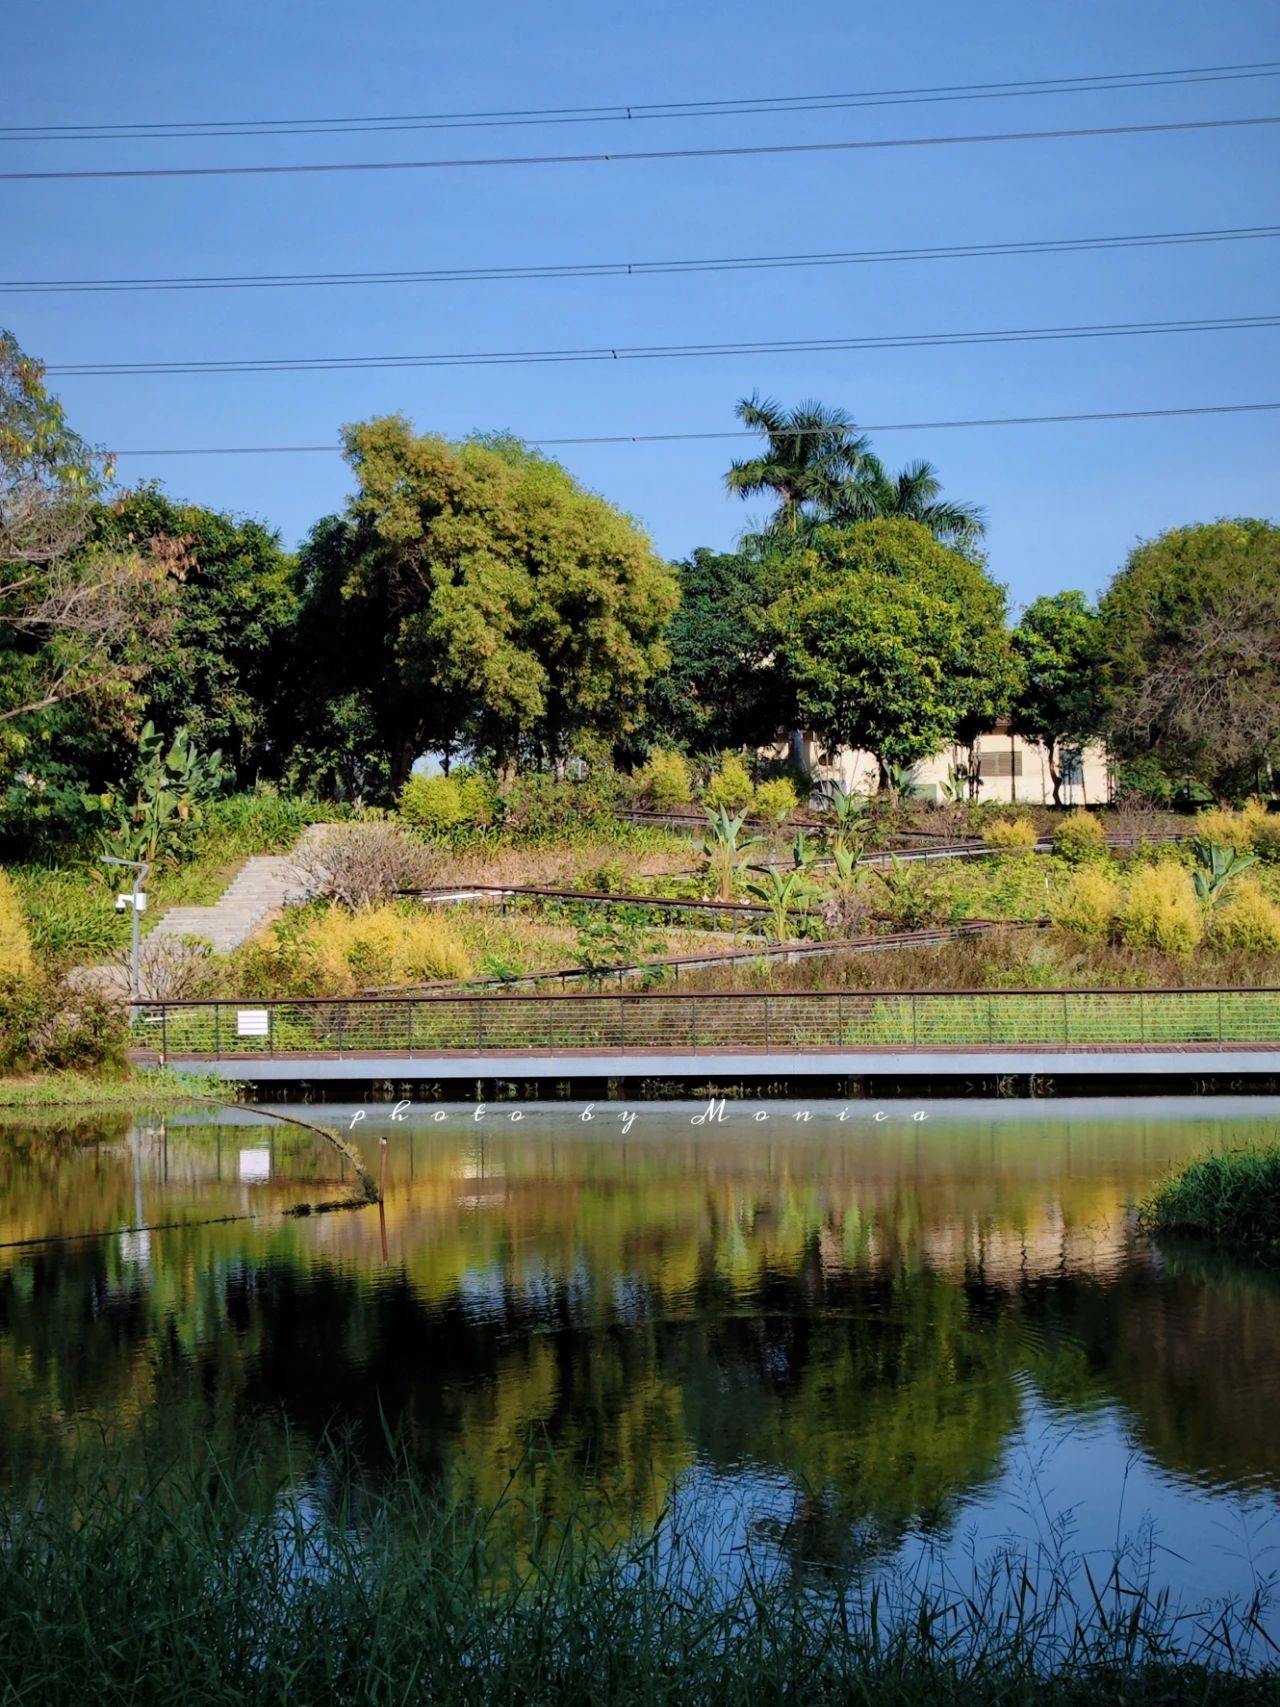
[1231, 1197]
[221, 1579]
[138, 1089]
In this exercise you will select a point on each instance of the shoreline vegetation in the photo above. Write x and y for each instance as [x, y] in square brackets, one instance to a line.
[237, 1581]
[148, 1088]
[1230, 1197]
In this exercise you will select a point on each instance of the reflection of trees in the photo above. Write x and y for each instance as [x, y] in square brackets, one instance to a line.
[600, 1323]
[1189, 1352]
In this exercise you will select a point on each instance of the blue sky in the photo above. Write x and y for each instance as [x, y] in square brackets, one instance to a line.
[1065, 503]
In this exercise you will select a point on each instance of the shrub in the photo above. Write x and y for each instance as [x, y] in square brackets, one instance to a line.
[333, 952]
[1160, 911]
[47, 1026]
[663, 780]
[1011, 835]
[730, 785]
[1079, 837]
[1266, 839]
[479, 798]
[776, 800]
[1229, 829]
[1087, 905]
[432, 803]
[15, 941]
[359, 864]
[1249, 923]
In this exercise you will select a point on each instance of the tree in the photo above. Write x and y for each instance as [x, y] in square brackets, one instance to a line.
[823, 470]
[67, 611]
[719, 691]
[220, 676]
[1191, 633]
[509, 610]
[914, 494]
[890, 642]
[812, 454]
[1060, 703]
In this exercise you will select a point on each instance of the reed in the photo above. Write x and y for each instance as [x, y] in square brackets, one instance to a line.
[216, 1580]
[1230, 1196]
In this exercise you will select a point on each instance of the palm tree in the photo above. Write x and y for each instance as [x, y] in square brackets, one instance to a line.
[813, 454]
[914, 493]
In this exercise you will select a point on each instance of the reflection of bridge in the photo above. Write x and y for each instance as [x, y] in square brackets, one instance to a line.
[885, 1036]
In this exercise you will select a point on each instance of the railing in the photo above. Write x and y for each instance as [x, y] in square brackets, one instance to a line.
[449, 1024]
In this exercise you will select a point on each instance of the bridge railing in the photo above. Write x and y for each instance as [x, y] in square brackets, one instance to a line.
[550, 1023]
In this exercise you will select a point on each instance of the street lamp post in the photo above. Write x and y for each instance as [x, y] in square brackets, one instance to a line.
[136, 902]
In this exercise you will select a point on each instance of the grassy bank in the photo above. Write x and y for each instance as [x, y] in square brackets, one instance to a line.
[225, 1584]
[1232, 1198]
[138, 1089]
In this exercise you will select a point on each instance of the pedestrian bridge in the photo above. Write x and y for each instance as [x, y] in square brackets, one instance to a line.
[664, 1036]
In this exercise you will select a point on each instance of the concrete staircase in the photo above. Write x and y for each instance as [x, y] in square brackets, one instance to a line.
[264, 885]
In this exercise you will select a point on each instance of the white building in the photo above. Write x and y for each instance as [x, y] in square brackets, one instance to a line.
[1010, 768]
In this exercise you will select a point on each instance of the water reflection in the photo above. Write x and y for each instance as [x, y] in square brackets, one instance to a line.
[875, 1338]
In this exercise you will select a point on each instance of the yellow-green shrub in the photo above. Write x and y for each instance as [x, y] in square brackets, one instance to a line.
[663, 780]
[1266, 839]
[1161, 911]
[15, 942]
[1087, 904]
[1011, 835]
[1230, 829]
[777, 799]
[730, 785]
[1079, 837]
[439, 804]
[335, 952]
[432, 803]
[1249, 923]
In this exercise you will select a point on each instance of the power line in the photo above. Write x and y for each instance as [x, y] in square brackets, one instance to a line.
[641, 269]
[171, 129]
[739, 152]
[746, 432]
[665, 352]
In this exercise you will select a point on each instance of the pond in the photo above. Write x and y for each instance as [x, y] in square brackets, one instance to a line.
[890, 1344]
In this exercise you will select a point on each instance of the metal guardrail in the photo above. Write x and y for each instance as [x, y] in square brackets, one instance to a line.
[449, 1024]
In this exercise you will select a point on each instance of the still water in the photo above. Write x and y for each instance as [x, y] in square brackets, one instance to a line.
[854, 1342]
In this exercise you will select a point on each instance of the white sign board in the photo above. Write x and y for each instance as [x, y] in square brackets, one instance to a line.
[252, 1022]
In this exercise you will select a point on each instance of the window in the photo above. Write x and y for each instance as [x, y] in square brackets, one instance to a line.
[1000, 761]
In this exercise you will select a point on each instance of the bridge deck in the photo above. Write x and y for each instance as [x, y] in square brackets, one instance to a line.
[1118, 1060]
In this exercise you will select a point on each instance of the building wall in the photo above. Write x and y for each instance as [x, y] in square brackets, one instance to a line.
[1012, 768]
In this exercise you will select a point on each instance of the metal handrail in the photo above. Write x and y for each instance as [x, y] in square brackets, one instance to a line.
[461, 996]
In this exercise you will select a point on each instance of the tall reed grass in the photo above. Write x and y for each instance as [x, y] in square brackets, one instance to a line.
[219, 1580]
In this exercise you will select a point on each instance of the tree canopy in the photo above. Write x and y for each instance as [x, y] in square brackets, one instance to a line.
[512, 610]
[821, 469]
[1191, 628]
[1060, 702]
[889, 641]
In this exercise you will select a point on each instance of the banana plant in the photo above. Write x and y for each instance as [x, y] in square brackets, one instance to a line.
[848, 812]
[1215, 868]
[172, 781]
[785, 894]
[726, 850]
[804, 850]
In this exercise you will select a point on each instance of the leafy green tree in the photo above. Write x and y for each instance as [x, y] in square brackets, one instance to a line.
[220, 675]
[65, 610]
[508, 609]
[1060, 703]
[719, 691]
[890, 642]
[1191, 630]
